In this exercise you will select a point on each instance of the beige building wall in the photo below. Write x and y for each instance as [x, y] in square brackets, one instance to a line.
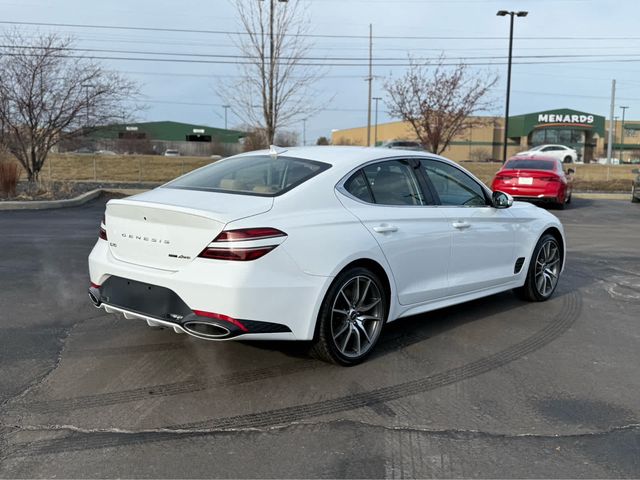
[483, 141]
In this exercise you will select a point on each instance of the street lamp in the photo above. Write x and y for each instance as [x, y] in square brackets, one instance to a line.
[375, 135]
[622, 134]
[226, 107]
[504, 13]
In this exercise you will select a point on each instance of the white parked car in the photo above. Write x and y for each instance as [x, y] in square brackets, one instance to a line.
[171, 153]
[318, 243]
[562, 153]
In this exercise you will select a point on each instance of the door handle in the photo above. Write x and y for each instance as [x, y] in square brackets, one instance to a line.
[385, 228]
[461, 225]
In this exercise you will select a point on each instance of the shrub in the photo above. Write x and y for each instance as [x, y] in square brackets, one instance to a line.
[9, 176]
[480, 155]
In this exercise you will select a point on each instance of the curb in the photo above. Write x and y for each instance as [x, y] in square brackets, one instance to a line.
[70, 202]
[602, 196]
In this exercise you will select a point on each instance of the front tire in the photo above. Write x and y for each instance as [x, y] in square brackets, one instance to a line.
[634, 199]
[351, 318]
[544, 271]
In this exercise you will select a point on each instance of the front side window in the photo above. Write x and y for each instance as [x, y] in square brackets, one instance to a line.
[390, 183]
[453, 186]
[259, 175]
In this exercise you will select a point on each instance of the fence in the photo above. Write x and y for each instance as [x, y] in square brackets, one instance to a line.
[118, 168]
[155, 168]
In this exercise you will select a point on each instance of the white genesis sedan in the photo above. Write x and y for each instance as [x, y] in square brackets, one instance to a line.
[323, 244]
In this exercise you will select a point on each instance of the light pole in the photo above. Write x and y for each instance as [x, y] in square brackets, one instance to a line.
[226, 107]
[375, 135]
[86, 87]
[504, 13]
[304, 132]
[622, 134]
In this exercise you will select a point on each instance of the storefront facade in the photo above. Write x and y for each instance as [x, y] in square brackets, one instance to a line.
[581, 131]
[585, 132]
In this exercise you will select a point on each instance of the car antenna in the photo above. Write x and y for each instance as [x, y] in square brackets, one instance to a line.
[274, 151]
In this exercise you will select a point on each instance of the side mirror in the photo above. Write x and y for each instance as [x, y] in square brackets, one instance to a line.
[501, 200]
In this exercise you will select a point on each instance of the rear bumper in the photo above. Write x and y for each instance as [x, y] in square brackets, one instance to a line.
[271, 296]
[162, 306]
[549, 194]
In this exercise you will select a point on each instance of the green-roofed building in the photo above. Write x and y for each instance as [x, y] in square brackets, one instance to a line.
[157, 137]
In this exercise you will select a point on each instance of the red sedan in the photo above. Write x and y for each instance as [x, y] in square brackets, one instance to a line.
[536, 179]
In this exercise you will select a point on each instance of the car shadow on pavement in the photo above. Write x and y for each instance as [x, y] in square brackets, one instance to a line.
[415, 329]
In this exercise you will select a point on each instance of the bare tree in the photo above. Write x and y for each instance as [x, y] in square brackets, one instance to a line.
[276, 81]
[438, 101]
[286, 138]
[48, 93]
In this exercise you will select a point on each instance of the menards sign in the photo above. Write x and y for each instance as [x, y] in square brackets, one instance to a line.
[565, 119]
[561, 118]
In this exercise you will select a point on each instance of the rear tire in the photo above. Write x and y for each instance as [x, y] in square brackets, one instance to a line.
[544, 271]
[351, 318]
[567, 159]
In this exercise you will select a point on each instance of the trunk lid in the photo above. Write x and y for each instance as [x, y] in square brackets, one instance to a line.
[167, 228]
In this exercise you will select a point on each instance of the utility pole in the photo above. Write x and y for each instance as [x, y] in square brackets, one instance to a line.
[612, 125]
[370, 80]
[503, 13]
[271, 123]
[304, 132]
[622, 135]
[375, 135]
[86, 87]
[226, 107]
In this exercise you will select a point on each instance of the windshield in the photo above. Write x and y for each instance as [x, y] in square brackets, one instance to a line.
[259, 175]
[529, 165]
[535, 149]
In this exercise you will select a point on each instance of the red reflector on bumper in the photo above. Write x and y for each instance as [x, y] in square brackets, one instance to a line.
[224, 318]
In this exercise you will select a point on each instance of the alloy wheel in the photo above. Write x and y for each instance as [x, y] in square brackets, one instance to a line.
[547, 268]
[357, 316]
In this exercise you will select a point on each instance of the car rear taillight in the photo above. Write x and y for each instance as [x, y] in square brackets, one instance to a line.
[503, 177]
[225, 245]
[550, 179]
[103, 229]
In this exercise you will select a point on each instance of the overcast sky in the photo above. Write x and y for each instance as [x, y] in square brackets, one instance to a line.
[602, 30]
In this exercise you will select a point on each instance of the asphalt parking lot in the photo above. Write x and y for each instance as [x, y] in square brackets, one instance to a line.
[494, 388]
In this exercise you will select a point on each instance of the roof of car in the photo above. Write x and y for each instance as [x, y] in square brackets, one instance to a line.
[343, 155]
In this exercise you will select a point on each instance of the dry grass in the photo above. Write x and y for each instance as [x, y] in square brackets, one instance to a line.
[119, 168]
[149, 168]
[9, 176]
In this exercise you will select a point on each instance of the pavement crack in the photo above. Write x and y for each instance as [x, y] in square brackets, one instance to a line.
[62, 341]
[79, 439]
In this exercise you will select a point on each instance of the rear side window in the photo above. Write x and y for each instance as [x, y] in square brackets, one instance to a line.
[357, 186]
[530, 165]
[259, 175]
[393, 183]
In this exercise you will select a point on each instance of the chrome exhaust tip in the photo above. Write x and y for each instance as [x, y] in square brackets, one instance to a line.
[200, 329]
[94, 299]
